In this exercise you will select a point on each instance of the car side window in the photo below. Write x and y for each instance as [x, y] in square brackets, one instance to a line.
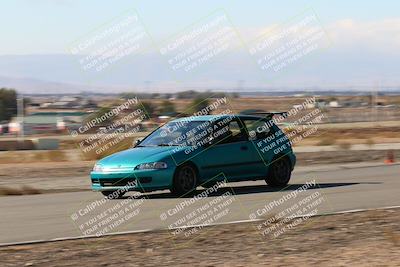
[257, 128]
[229, 132]
[234, 128]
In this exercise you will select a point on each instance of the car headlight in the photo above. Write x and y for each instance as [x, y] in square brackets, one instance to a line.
[151, 166]
[97, 168]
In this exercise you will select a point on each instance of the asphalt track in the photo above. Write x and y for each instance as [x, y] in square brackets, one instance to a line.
[61, 215]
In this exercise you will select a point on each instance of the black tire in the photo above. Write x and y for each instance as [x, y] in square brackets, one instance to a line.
[279, 172]
[185, 180]
[113, 194]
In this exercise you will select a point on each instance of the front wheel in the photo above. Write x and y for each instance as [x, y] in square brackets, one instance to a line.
[112, 194]
[279, 173]
[185, 180]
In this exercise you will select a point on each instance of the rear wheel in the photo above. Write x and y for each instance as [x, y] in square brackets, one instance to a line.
[279, 173]
[112, 194]
[185, 180]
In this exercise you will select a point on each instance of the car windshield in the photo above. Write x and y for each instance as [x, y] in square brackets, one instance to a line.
[178, 133]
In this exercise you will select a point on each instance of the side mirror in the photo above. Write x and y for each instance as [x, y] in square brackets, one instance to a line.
[137, 142]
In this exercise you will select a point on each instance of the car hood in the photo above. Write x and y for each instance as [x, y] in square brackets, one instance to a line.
[137, 155]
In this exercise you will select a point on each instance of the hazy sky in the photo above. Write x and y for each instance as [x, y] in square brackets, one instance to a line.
[48, 26]
[363, 50]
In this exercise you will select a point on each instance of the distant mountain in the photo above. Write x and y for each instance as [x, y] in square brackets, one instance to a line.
[27, 85]
[233, 71]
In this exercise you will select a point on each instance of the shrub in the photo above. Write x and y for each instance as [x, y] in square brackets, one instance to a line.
[344, 145]
[370, 142]
[326, 141]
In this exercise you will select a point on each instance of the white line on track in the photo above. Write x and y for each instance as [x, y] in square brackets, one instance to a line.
[181, 227]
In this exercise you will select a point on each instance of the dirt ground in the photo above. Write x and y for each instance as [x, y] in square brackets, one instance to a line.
[343, 156]
[44, 177]
[370, 238]
[43, 169]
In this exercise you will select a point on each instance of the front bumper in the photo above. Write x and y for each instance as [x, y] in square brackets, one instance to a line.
[134, 180]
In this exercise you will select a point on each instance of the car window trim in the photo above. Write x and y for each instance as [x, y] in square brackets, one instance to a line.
[242, 130]
[272, 130]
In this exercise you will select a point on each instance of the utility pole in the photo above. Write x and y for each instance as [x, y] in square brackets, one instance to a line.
[376, 105]
[374, 108]
[20, 114]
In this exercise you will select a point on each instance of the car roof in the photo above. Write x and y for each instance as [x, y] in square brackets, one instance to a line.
[212, 117]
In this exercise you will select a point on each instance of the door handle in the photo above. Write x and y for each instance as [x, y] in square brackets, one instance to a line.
[243, 148]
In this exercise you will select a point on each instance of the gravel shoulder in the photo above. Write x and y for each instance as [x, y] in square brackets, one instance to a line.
[370, 238]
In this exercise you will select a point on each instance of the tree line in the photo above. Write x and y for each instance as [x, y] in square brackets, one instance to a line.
[8, 104]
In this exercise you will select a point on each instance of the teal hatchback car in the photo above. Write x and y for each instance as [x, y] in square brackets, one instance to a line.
[199, 151]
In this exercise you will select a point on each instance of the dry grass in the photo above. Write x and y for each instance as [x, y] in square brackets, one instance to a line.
[29, 190]
[8, 191]
[392, 237]
[370, 142]
[326, 141]
[33, 156]
[24, 190]
[344, 145]
[352, 239]
[96, 154]
[56, 155]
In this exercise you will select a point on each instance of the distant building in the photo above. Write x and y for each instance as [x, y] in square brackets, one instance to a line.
[67, 102]
[381, 102]
[334, 104]
[351, 103]
[63, 104]
[75, 116]
[36, 124]
[46, 122]
[317, 104]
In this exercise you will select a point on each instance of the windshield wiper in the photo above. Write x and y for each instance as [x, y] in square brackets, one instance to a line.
[164, 144]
